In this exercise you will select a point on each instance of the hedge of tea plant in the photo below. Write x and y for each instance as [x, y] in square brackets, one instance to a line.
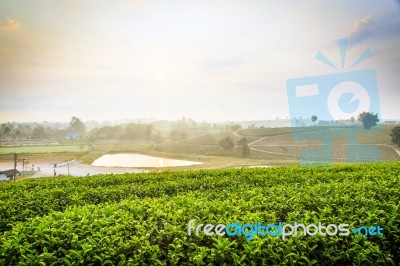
[142, 219]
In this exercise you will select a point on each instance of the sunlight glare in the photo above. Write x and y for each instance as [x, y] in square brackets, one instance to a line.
[161, 76]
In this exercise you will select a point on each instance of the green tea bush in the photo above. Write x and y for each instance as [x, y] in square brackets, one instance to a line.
[142, 219]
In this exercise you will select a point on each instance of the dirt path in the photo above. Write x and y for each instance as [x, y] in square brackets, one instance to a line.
[252, 145]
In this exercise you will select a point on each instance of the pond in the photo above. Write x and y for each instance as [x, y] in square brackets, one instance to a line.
[138, 160]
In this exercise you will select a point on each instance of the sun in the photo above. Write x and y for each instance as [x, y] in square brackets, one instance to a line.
[161, 76]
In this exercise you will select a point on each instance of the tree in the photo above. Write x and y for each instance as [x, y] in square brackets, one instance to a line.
[17, 133]
[368, 119]
[7, 131]
[314, 118]
[77, 126]
[244, 146]
[178, 134]
[149, 131]
[235, 127]
[352, 119]
[227, 143]
[395, 134]
[38, 132]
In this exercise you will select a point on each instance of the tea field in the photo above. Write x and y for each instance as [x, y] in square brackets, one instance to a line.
[142, 219]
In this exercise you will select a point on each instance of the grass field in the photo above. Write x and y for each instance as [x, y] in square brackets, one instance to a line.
[378, 135]
[43, 149]
[268, 131]
[142, 219]
[210, 139]
[286, 144]
[348, 144]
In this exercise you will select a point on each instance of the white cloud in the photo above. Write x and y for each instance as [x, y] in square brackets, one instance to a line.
[10, 24]
[362, 29]
[362, 24]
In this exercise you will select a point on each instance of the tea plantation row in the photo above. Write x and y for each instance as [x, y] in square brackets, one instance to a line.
[143, 218]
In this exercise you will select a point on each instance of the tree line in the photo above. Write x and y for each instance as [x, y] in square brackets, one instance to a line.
[16, 131]
[127, 131]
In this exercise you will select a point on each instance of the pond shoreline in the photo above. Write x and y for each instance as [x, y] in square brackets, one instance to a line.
[46, 169]
[137, 160]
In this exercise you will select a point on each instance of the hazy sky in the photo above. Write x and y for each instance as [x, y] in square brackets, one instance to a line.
[212, 60]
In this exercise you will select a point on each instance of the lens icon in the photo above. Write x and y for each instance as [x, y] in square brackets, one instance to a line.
[341, 107]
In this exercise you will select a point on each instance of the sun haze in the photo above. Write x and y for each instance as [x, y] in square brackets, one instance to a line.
[224, 60]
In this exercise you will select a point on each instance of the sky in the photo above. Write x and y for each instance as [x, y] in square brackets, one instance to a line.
[212, 60]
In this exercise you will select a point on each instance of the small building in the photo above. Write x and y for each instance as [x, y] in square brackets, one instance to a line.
[8, 174]
[72, 135]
